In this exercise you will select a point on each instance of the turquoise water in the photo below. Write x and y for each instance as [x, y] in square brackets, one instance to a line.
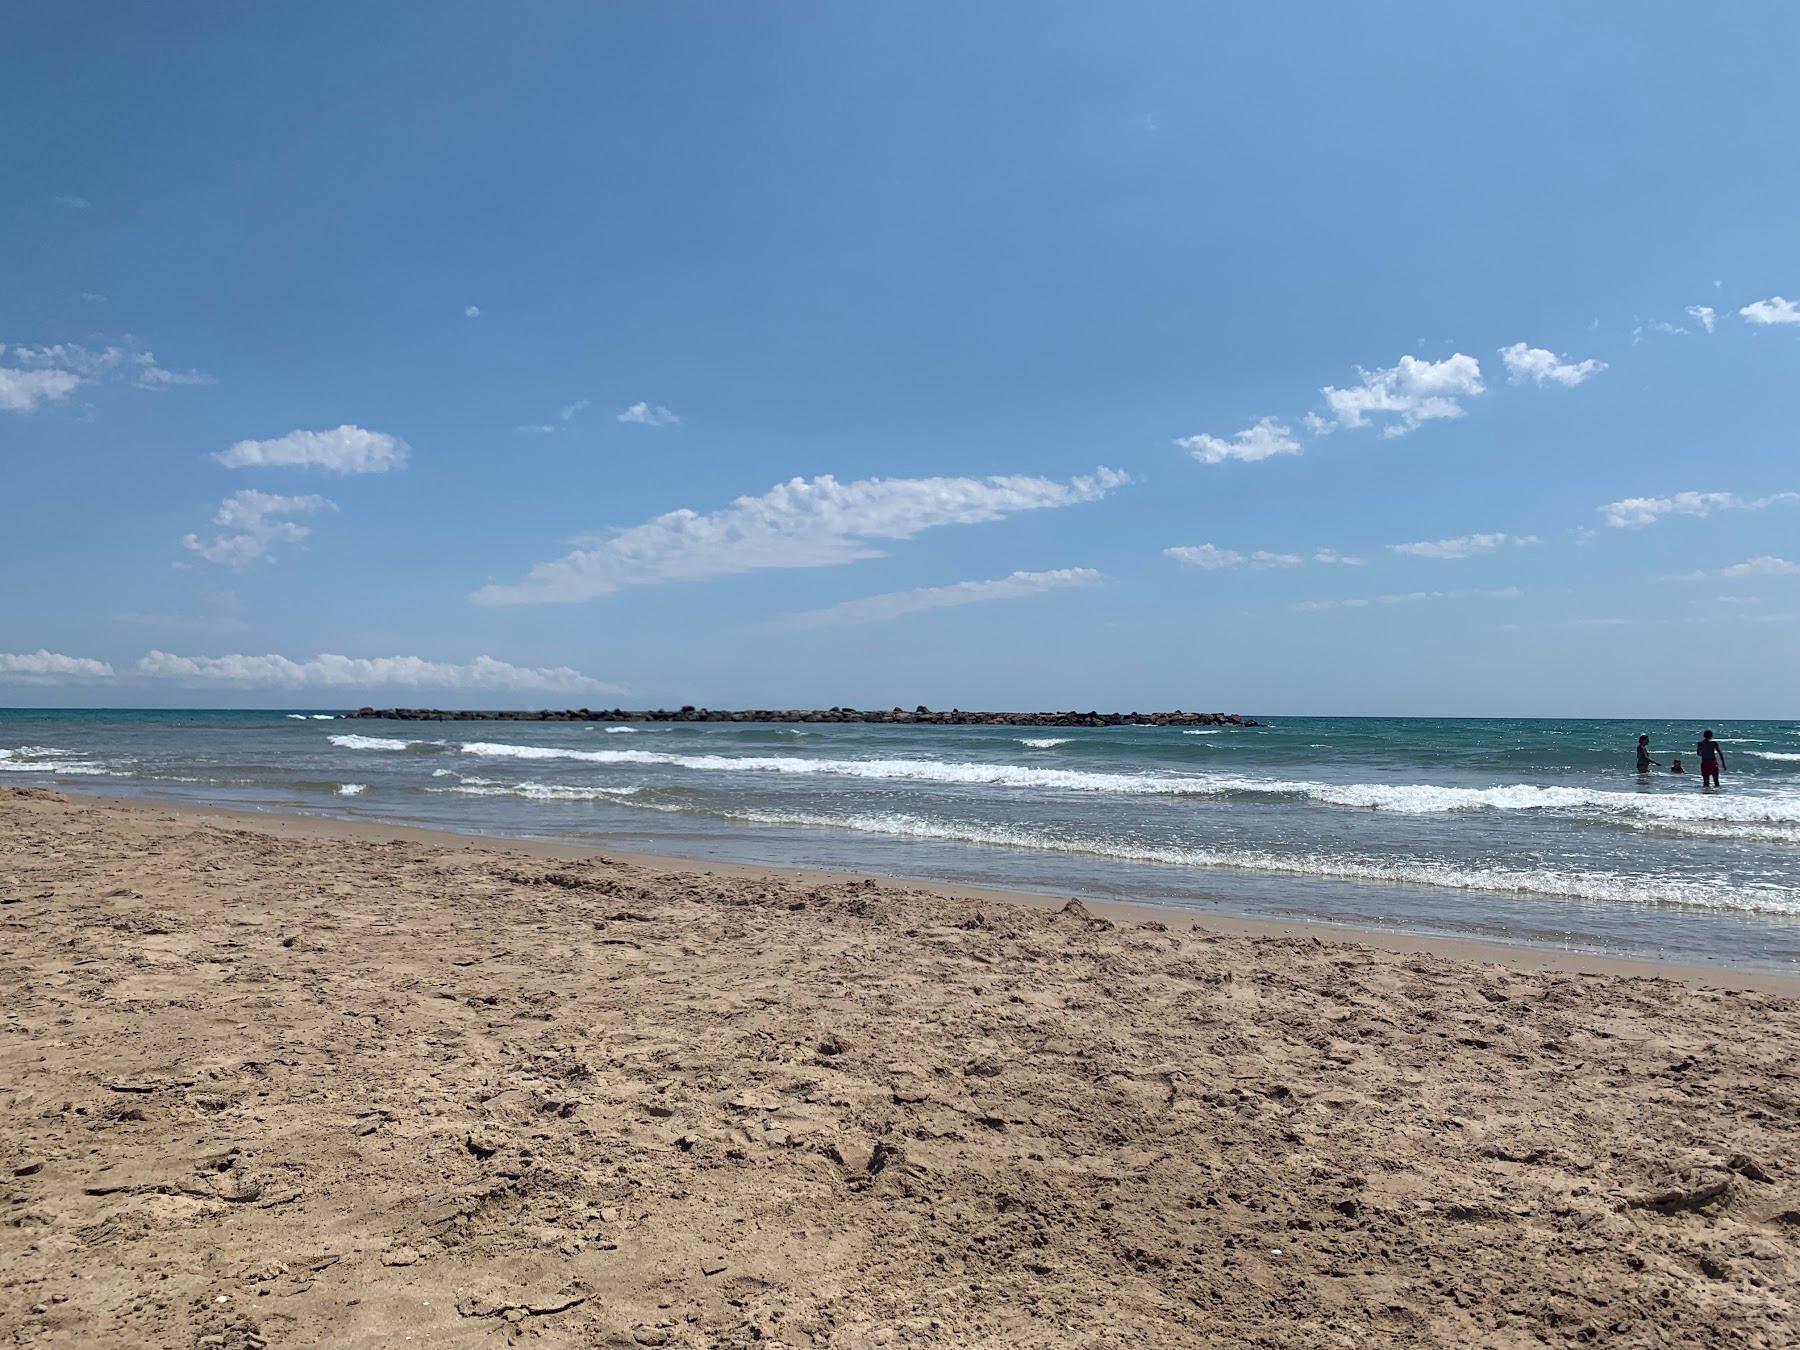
[1526, 830]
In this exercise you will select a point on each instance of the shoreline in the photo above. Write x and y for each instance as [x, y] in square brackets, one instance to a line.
[277, 1080]
[1521, 955]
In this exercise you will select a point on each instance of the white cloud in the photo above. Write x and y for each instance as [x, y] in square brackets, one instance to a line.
[88, 363]
[254, 525]
[72, 202]
[1462, 546]
[49, 665]
[644, 415]
[1412, 393]
[349, 449]
[875, 608]
[472, 312]
[351, 672]
[22, 391]
[1774, 310]
[1261, 440]
[1634, 512]
[1764, 566]
[152, 376]
[92, 298]
[33, 376]
[1215, 559]
[1408, 598]
[1703, 315]
[1541, 366]
[817, 522]
[565, 414]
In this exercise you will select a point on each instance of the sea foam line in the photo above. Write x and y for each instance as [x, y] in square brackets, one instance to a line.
[554, 792]
[1594, 886]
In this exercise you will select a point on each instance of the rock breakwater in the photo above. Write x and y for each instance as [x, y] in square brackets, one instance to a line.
[921, 715]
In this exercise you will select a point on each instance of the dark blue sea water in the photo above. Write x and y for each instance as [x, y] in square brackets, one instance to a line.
[1527, 830]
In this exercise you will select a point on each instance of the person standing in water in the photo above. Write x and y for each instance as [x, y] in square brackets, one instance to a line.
[1712, 759]
[1643, 757]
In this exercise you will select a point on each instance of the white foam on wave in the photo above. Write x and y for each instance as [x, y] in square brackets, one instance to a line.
[1787, 755]
[541, 792]
[296, 717]
[621, 731]
[1677, 807]
[1044, 742]
[324, 717]
[1209, 731]
[1603, 887]
[51, 759]
[351, 789]
[354, 742]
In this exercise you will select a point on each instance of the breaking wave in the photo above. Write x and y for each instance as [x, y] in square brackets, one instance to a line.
[354, 742]
[1774, 815]
[1594, 886]
[49, 759]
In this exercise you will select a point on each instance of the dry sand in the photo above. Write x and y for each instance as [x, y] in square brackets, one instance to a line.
[272, 1090]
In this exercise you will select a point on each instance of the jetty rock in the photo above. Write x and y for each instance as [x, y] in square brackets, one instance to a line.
[919, 716]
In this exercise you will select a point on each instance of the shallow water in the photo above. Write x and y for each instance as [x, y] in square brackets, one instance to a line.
[1525, 830]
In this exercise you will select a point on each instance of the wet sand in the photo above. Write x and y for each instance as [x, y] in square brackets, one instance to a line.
[272, 1081]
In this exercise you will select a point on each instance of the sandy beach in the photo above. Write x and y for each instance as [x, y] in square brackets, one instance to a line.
[280, 1084]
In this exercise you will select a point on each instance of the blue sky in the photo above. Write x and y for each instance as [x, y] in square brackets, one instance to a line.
[363, 353]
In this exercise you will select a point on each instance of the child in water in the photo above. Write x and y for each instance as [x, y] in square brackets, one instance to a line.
[1676, 767]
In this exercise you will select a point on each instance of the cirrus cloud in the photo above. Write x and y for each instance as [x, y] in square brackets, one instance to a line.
[805, 522]
[1634, 512]
[1406, 598]
[1462, 545]
[1210, 558]
[892, 605]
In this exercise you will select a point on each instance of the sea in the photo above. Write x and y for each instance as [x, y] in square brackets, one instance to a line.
[1527, 831]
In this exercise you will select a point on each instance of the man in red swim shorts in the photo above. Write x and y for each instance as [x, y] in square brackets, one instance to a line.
[1712, 759]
